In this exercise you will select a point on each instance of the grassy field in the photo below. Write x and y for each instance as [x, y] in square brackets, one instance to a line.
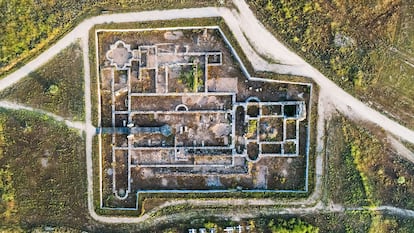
[399, 224]
[43, 168]
[57, 87]
[258, 225]
[335, 222]
[42, 164]
[38, 24]
[347, 222]
[363, 46]
[43, 176]
[45, 162]
[364, 170]
[342, 173]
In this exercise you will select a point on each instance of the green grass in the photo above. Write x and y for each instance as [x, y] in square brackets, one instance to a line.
[364, 170]
[57, 87]
[391, 90]
[252, 128]
[192, 78]
[50, 193]
[405, 31]
[409, 146]
[357, 221]
[381, 169]
[53, 193]
[29, 27]
[399, 224]
[365, 67]
[326, 222]
[7, 191]
[344, 180]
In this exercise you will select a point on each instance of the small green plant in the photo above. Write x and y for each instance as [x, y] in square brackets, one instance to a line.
[53, 89]
[401, 180]
[27, 187]
[192, 78]
[210, 225]
[293, 225]
[7, 191]
[252, 128]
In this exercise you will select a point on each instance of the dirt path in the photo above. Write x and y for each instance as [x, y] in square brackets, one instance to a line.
[242, 24]
[14, 106]
[389, 209]
[403, 56]
[344, 102]
[246, 28]
[401, 149]
[83, 28]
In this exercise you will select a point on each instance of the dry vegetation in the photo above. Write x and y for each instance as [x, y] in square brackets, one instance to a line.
[342, 173]
[318, 222]
[363, 46]
[349, 222]
[364, 170]
[36, 195]
[28, 27]
[43, 176]
[56, 87]
[43, 163]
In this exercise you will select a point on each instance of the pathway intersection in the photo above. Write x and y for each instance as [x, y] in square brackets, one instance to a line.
[246, 28]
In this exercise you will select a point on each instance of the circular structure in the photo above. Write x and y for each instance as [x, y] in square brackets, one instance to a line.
[121, 194]
[253, 153]
[166, 130]
[252, 99]
[110, 172]
[181, 107]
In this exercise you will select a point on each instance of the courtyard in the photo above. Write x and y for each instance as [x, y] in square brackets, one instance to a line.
[179, 115]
